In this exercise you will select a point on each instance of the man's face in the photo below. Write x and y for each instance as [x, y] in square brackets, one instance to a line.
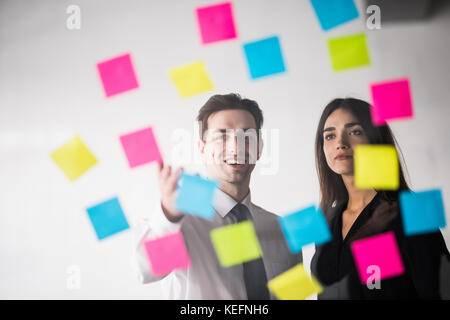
[230, 146]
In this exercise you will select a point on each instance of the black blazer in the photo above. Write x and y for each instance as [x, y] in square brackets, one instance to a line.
[422, 255]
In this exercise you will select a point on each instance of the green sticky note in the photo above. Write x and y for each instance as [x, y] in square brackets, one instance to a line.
[348, 52]
[294, 284]
[376, 167]
[236, 243]
[74, 158]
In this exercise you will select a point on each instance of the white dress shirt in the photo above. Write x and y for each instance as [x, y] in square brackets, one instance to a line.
[206, 278]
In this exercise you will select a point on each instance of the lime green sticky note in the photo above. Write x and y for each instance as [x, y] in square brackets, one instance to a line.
[348, 52]
[236, 243]
[376, 167]
[191, 79]
[74, 158]
[294, 284]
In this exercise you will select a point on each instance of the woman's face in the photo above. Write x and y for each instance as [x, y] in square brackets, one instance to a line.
[341, 134]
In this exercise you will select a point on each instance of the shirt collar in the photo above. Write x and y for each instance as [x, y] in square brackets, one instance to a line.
[224, 203]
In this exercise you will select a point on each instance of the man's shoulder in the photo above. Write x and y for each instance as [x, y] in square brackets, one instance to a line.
[263, 213]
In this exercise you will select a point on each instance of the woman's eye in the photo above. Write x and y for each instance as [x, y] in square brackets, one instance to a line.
[329, 136]
[356, 132]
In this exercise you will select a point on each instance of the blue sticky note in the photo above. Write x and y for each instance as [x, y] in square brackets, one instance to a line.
[304, 227]
[196, 196]
[332, 13]
[422, 212]
[264, 57]
[107, 218]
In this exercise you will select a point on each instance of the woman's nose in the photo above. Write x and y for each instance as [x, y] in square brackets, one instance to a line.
[342, 143]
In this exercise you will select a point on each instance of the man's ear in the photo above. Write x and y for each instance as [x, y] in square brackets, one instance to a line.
[201, 146]
[260, 147]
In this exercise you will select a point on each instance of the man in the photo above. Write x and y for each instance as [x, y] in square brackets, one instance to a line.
[224, 120]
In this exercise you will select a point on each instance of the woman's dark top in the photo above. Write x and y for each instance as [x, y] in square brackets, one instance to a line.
[334, 267]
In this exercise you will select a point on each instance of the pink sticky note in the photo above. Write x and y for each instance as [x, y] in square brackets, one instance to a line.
[140, 147]
[117, 75]
[167, 253]
[391, 100]
[379, 252]
[216, 22]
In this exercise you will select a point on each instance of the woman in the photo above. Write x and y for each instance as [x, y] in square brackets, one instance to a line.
[354, 213]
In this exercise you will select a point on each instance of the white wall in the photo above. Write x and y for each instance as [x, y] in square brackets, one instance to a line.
[50, 91]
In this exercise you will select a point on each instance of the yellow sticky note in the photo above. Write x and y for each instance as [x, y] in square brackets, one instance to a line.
[74, 158]
[348, 52]
[236, 243]
[294, 284]
[376, 167]
[191, 79]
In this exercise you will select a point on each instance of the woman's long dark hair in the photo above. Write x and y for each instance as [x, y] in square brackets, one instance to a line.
[332, 187]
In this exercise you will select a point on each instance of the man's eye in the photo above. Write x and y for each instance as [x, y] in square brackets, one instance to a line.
[329, 136]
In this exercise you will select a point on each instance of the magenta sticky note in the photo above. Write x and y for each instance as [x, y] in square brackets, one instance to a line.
[141, 147]
[216, 22]
[379, 252]
[391, 100]
[167, 253]
[117, 75]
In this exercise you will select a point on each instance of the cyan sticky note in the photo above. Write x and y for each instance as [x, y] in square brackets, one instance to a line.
[379, 252]
[332, 13]
[304, 227]
[391, 100]
[196, 196]
[264, 57]
[216, 22]
[167, 253]
[117, 75]
[422, 212]
[107, 218]
[141, 147]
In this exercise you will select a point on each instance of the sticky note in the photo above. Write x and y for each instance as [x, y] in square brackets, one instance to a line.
[391, 100]
[167, 253]
[196, 196]
[422, 212]
[140, 147]
[191, 79]
[216, 22]
[264, 57]
[294, 284]
[236, 243]
[74, 158]
[380, 253]
[304, 227]
[348, 52]
[117, 75]
[107, 218]
[376, 167]
[332, 13]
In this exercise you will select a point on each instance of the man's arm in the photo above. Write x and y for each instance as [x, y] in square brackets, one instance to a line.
[165, 219]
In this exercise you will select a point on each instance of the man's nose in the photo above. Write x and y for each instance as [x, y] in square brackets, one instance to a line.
[236, 147]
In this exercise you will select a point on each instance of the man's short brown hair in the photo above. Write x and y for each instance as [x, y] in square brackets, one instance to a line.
[229, 101]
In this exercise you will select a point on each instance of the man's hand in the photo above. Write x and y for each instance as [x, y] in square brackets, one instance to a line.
[167, 186]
